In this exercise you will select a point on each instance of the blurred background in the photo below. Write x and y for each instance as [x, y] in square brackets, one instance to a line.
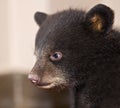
[17, 34]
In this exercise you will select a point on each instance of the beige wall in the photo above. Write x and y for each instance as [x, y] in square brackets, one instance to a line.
[56, 5]
[4, 42]
[115, 5]
[22, 30]
[18, 28]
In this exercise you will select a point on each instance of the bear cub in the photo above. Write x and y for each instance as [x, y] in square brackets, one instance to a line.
[81, 51]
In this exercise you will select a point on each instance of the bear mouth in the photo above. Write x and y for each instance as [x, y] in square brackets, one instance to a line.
[45, 85]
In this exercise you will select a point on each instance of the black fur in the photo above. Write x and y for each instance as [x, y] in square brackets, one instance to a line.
[40, 17]
[106, 14]
[91, 58]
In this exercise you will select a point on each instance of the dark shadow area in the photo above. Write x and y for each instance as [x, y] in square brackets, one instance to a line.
[16, 91]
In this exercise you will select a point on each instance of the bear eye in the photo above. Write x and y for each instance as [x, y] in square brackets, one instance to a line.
[56, 56]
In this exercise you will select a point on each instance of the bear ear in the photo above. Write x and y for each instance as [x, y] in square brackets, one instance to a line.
[40, 17]
[100, 18]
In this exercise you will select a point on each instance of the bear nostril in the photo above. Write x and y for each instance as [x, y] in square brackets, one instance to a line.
[35, 82]
[33, 78]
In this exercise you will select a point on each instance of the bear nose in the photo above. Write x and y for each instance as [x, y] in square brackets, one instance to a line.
[34, 78]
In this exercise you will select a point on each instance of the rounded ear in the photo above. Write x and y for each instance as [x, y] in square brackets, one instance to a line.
[100, 18]
[40, 17]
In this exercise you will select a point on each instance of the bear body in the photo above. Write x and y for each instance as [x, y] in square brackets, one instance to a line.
[81, 51]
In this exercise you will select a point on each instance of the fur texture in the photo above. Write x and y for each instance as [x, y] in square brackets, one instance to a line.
[90, 65]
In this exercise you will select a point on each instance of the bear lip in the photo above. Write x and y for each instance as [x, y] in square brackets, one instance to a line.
[45, 85]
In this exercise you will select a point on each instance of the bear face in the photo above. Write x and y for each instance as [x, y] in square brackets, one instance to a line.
[72, 46]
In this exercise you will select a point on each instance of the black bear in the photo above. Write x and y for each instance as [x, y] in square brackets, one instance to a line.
[79, 50]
